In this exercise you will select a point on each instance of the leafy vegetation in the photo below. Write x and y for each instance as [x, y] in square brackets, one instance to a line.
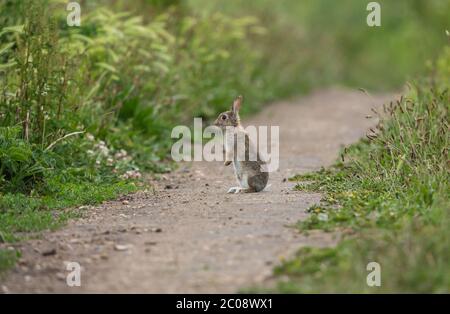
[8, 259]
[390, 200]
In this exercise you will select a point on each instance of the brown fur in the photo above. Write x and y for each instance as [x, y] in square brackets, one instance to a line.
[251, 170]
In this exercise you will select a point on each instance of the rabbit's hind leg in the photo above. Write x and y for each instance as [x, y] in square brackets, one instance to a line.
[234, 189]
[258, 182]
[238, 189]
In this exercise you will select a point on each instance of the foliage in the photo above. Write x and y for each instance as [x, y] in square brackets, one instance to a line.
[8, 259]
[20, 167]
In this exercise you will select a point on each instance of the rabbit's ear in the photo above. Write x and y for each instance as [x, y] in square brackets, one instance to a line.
[237, 104]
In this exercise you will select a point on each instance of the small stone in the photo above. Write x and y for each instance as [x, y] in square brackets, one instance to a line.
[121, 247]
[48, 252]
[5, 289]
[60, 276]
[95, 257]
[157, 230]
[125, 202]
[22, 262]
[168, 186]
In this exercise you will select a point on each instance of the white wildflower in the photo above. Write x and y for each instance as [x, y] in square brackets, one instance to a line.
[323, 217]
[89, 137]
[122, 154]
[132, 174]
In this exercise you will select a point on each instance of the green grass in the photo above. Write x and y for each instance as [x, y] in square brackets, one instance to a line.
[23, 216]
[414, 259]
[389, 199]
[8, 259]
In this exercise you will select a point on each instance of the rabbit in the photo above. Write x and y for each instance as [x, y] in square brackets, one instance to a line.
[249, 174]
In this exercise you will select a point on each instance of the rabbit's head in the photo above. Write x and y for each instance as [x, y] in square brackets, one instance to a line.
[230, 118]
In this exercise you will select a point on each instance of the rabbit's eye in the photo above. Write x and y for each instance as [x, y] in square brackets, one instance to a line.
[224, 117]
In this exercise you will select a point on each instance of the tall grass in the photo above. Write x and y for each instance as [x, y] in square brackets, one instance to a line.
[390, 200]
[119, 72]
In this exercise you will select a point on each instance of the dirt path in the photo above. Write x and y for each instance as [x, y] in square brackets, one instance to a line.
[189, 235]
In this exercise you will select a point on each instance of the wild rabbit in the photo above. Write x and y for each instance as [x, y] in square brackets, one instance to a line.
[249, 171]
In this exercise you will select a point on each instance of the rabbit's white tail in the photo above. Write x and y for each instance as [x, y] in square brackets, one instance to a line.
[267, 187]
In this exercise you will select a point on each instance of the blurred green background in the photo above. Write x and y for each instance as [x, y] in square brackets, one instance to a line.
[314, 43]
